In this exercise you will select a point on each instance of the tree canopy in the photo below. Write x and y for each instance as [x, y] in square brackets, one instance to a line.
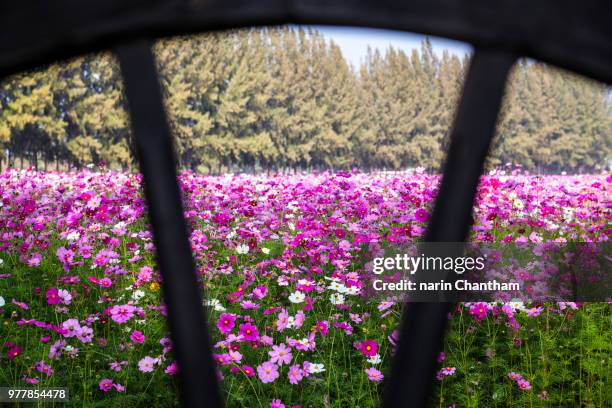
[286, 98]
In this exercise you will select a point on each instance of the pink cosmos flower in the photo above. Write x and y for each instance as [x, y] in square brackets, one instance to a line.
[117, 366]
[147, 364]
[276, 403]
[445, 372]
[122, 313]
[267, 372]
[55, 352]
[534, 312]
[298, 320]
[523, 384]
[322, 327]
[280, 354]
[35, 259]
[137, 337]
[85, 334]
[282, 321]
[64, 296]
[249, 331]
[43, 368]
[295, 374]
[105, 283]
[448, 371]
[20, 305]
[226, 322]
[369, 348]
[260, 292]
[222, 359]
[374, 374]
[235, 356]
[71, 327]
[119, 387]
[266, 340]
[515, 376]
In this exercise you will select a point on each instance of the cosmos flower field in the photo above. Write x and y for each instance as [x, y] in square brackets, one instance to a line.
[81, 304]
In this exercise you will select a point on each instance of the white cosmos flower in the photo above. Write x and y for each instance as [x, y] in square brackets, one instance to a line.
[517, 304]
[282, 281]
[242, 249]
[73, 236]
[375, 359]
[336, 299]
[342, 289]
[2, 302]
[138, 294]
[335, 285]
[353, 290]
[316, 368]
[265, 250]
[297, 297]
[214, 303]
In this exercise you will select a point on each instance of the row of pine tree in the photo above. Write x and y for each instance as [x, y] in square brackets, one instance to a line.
[286, 99]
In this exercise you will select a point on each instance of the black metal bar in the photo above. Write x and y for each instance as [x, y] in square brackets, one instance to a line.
[181, 291]
[423, 324]
[571, 34]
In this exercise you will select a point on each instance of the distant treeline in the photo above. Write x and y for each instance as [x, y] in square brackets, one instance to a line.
[286, 98]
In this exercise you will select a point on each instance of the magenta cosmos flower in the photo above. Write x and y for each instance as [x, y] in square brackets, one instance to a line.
[106, 384]
[13, 352]
[52, 296]
[249, 331]
[247, 370]
[226, 323]
[268, 372]
[369, 348]
[137, 337]
[479, 311]
[172, 368]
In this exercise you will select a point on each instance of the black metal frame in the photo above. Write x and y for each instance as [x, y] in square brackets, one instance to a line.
[570, 34]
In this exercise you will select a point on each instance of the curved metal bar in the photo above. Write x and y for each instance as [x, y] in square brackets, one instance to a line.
[186, 321]
[423, 324]
[567, 33]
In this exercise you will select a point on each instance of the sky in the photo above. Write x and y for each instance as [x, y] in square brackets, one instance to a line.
[354, 41]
